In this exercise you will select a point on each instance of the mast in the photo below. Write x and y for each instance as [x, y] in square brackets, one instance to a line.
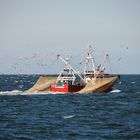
[90, 64]
[69, 68]
[105, 60]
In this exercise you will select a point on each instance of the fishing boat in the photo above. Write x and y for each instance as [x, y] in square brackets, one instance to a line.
[70, 80]
[97, 80]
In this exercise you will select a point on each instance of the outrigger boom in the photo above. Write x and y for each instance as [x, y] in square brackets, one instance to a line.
[70, 67]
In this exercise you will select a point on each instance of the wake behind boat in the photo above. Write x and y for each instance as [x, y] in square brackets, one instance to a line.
[94, 79]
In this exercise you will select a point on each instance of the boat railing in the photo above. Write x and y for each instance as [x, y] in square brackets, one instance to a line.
[67, 78]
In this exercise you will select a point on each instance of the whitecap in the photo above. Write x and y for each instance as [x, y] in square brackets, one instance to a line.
[120, 82]
[56, 93]
[115, 91]
[18, 92]
[13, 92]
[93, 107]
[133, 82]
[68, 117]
[35, 93]
[16, 81]
[21, 86]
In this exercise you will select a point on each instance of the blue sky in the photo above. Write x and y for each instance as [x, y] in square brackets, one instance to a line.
[33, 32]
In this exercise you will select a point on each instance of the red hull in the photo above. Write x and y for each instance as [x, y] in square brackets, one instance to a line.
[66, 88]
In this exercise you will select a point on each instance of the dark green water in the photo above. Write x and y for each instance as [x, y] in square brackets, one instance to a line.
[114, 115]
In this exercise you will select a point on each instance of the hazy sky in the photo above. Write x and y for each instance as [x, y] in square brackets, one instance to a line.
[32, 32]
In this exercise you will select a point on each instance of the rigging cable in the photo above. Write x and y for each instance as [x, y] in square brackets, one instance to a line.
[110, 64]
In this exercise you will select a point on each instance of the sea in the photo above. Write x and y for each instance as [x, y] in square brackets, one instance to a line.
[44, 116]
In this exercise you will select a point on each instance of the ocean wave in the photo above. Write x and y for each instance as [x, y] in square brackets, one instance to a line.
[13, 92]
[18, 92]
[133, 82]
[35, 93]
[68, 117]
[115, 91]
